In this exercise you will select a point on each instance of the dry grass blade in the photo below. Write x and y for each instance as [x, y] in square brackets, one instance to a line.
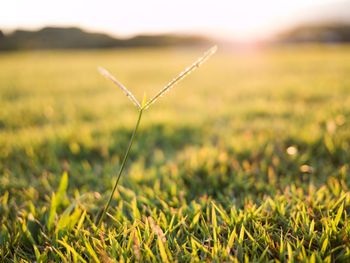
[108, 75]
[182, 75]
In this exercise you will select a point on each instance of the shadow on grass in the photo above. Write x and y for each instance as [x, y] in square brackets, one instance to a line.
[90, 161]
[236, 176]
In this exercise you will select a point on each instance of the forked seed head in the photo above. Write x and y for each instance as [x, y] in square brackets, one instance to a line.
[166, 88]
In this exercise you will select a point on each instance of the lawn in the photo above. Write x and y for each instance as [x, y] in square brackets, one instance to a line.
[245, 160]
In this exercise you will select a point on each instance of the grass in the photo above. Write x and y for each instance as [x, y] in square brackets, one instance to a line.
[144, 105]
[247, 160]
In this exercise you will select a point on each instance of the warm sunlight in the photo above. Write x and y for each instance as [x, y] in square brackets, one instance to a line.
[240, 20]
[175, 131]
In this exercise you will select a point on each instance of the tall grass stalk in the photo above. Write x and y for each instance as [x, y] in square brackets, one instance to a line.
[141, 107]
[121, 168]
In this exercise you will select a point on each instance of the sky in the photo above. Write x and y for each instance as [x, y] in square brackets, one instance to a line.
[231, 19]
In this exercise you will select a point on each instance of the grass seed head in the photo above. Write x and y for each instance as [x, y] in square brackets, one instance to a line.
[166, 88]
[182, 75]
[127, 92]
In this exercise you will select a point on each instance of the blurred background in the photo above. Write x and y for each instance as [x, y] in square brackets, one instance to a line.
[108, 24]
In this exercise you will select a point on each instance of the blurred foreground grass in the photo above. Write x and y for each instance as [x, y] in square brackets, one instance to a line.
[247, 159]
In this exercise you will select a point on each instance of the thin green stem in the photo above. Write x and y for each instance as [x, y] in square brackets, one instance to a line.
[121, 169]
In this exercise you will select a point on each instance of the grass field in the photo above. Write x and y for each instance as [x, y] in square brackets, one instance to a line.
[245, 160]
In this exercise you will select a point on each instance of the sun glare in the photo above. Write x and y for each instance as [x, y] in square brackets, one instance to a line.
[232, 19]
